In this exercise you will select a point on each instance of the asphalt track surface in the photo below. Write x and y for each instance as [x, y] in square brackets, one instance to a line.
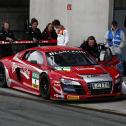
[22, 109]
[29, 110]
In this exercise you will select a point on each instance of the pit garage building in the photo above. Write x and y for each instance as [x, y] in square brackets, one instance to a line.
[82, 18]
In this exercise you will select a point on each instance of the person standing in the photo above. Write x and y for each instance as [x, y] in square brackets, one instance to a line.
[49, 32]
[6, 35]
[63, 38]
[115, 39]
[34, 33]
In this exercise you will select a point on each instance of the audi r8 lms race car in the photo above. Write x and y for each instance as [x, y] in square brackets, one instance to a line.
[59, 73]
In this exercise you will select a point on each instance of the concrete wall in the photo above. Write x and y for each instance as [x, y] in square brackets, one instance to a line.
[87, 17]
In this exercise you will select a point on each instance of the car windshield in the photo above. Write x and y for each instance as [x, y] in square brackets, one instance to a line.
[69, 58]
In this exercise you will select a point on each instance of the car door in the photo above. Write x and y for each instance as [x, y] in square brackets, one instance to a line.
[106, 57]
[31, 69]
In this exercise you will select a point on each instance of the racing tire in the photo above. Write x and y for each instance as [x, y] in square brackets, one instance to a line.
[3, 82]
[45, 86]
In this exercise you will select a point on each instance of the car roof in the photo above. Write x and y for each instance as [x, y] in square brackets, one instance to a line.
[55, 48]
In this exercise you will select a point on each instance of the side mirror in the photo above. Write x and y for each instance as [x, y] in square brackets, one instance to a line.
[106, 55]
[102, 56]
[34, 61]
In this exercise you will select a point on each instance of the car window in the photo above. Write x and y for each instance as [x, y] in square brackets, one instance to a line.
[69, 58]
[34, 56]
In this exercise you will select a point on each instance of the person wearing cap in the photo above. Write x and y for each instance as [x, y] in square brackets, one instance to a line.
[115, 39]
[62, 33]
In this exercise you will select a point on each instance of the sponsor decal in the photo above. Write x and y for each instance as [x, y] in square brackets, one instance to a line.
[14, 66]
[24, 71]
[60, 52]
[72, 97]
[86, 68]
[59, 96]
[35, 80]
[63, 68]
[58, 91]
[96, 78]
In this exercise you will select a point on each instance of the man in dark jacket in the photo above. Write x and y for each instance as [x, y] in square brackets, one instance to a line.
[6, 35]
[34, 33]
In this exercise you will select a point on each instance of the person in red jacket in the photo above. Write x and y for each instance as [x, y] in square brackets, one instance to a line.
[49, 33]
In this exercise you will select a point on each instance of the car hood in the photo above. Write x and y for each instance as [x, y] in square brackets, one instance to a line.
[80, 70]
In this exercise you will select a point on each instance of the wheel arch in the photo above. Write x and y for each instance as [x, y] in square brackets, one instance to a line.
[40, 83]
[40, 75]
[6, 74]
[43, 73]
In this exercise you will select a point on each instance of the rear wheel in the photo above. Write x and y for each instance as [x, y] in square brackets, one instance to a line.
[3, 82]
[45, 86]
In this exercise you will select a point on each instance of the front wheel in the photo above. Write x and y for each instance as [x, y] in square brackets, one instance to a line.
[45, 86]
[3, 82]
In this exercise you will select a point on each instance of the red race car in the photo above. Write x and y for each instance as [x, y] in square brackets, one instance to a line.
[59, 73]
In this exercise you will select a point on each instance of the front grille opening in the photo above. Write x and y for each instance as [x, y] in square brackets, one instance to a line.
[99, 91]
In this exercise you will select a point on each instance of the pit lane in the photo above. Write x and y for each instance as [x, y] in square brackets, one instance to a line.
[110, 105]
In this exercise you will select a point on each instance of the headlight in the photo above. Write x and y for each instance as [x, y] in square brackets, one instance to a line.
[69, 82]
[118, 80]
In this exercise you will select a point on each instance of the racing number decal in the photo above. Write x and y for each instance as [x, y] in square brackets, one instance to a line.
[35, 80]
